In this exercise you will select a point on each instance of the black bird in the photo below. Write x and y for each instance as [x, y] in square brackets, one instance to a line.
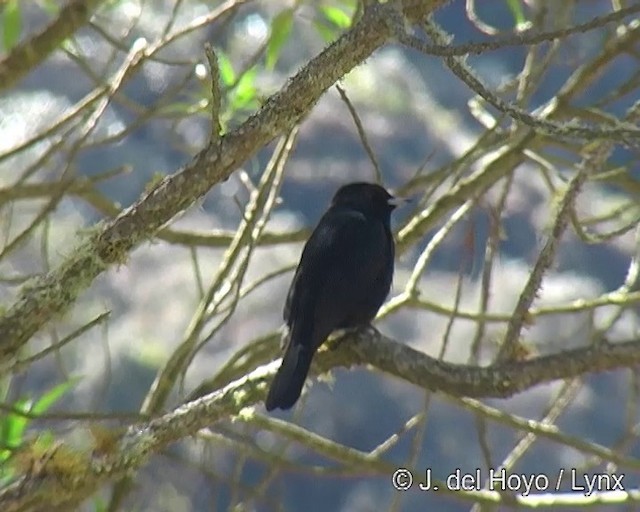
[343, 277]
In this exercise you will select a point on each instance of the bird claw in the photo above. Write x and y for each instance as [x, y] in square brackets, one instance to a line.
[338, 336]
[368, 330]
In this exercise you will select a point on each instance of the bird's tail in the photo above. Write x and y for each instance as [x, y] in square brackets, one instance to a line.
[289, 379]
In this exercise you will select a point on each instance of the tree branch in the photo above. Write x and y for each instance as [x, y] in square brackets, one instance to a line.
[31, 53]
[63, 477]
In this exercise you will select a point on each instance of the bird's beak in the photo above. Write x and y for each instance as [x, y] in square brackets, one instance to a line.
[397, 201]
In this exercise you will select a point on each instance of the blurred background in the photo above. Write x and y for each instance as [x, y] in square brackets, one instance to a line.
[427, 130]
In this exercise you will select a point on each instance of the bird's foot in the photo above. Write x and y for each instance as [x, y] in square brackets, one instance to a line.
[368, 330]
[338, 336]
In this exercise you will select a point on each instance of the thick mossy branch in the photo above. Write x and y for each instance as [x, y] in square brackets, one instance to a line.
[55, 482]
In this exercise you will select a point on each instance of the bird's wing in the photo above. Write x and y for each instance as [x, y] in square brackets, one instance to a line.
[341, 252]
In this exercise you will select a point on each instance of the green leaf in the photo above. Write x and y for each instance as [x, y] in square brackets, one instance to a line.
[280, 32]
[227, 74]
[53, 395]
[11, 23]
[336, 16]
[517, 12]
[13, 425]
[245, 90]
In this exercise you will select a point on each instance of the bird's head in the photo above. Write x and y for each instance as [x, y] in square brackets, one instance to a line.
[368, 198]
